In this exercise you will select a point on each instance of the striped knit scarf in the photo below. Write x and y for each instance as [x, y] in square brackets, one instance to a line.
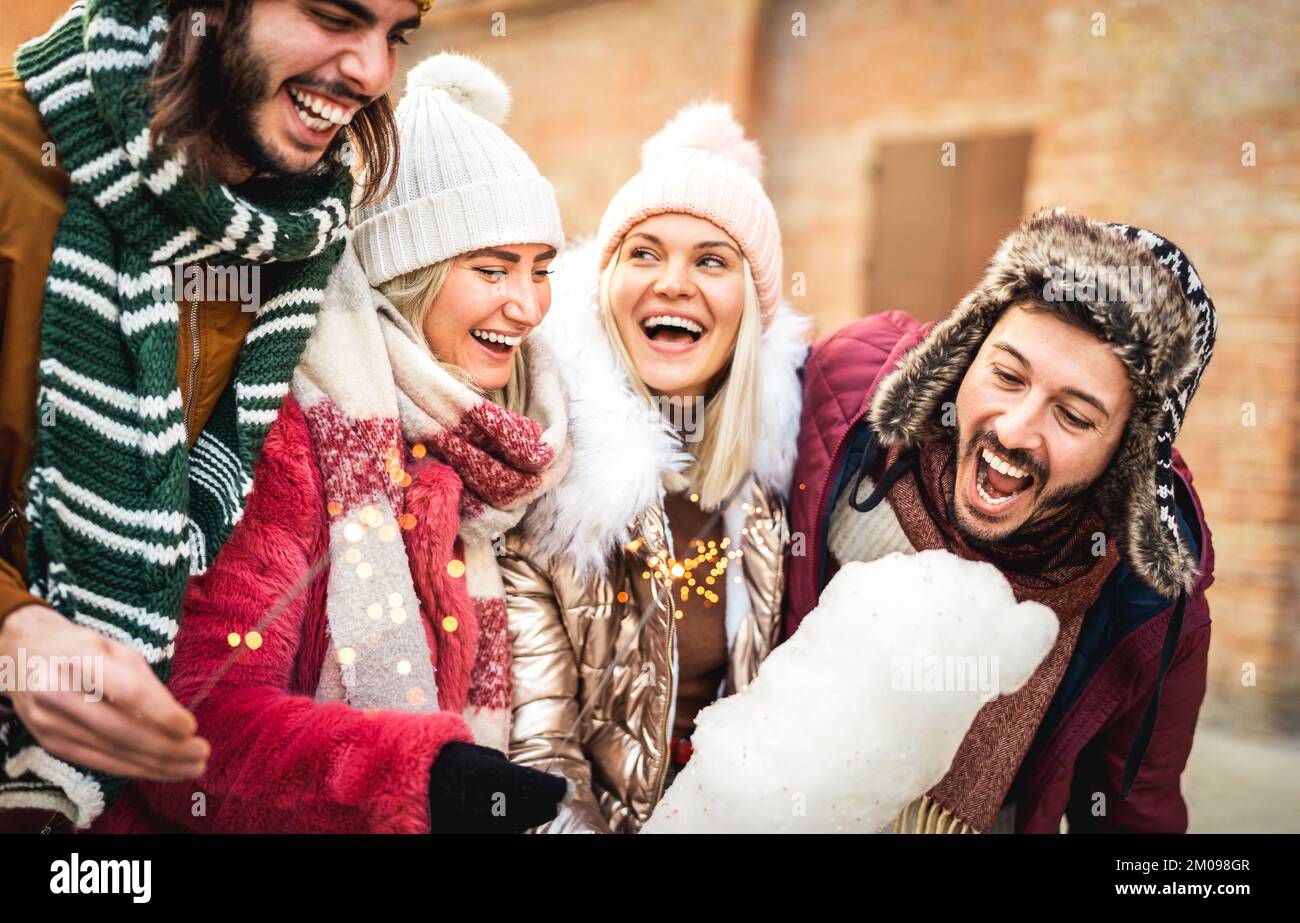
[379, 408]
[120, 513]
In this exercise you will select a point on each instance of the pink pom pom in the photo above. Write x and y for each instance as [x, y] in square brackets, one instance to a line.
[708, 126]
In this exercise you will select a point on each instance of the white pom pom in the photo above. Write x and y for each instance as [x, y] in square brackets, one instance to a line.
[468, 81]
[708, 126]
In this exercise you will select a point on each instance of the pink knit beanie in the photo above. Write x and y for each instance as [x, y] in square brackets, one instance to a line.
[701, 164]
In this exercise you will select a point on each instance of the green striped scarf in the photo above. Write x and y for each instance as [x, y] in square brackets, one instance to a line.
[120, 513]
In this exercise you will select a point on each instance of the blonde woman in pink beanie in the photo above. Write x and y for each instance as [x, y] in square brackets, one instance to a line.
[649, 581]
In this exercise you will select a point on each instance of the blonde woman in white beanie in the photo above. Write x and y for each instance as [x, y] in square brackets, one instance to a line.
[347, 655]
[650, 581]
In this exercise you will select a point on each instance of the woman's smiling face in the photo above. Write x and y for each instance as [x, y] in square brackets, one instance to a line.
[677, 296]
[489, 302]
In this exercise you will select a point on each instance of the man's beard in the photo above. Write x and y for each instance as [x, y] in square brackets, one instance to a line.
[1046, 505]
[239, 87]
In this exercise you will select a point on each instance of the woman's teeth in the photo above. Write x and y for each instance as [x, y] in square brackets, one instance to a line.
[326, 114]
[652, 324]
[500, 338]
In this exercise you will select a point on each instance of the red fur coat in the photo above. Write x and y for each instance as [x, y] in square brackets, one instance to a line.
[281, 761]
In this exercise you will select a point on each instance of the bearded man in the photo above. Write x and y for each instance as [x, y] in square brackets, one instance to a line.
[139, 135]
[1033, 429]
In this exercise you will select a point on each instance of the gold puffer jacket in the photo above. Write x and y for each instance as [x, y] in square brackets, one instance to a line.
[593, 657]
[593, 641]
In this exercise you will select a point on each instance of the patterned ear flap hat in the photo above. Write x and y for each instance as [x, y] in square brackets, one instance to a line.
[422, 6]
[1141, 295]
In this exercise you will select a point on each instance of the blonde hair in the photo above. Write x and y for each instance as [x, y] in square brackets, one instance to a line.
[413, 294]
[725, 454]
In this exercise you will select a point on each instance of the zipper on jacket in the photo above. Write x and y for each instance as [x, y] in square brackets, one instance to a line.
[668, 710]
[188, 413]
[668, 661]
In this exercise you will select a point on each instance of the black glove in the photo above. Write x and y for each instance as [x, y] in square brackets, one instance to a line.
[477, 790]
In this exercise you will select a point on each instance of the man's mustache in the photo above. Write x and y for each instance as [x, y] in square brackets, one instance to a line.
[986, 438]
[331, 88]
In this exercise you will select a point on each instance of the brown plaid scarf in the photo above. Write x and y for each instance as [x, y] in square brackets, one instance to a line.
[1050, 562]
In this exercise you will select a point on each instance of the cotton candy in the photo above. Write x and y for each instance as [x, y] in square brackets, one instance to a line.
[863, 709]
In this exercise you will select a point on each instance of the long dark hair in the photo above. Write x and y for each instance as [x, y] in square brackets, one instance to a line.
[190, 103]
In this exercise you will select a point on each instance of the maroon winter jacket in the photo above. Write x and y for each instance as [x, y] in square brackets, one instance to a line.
[1093, 723]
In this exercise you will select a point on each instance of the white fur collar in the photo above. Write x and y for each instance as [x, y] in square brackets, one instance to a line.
[620, 451]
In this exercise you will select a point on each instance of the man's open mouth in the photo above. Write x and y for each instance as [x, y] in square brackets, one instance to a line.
[998, 481]
[317, 112]
[671, 330]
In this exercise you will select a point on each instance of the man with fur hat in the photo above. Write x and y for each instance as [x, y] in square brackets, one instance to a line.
[1033, 429]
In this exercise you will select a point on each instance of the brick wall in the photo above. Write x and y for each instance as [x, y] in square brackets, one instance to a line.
[1144, 124]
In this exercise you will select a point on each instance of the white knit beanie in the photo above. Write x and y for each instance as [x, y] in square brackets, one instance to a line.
[700, 163]
[462, 183]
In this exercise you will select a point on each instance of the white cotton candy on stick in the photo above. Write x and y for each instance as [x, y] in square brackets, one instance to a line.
[863, 709]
